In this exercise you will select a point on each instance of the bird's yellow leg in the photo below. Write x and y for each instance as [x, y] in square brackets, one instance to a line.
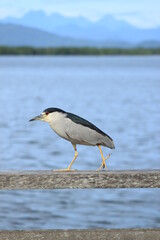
[103, 165]
[70, 165]
[75, 156]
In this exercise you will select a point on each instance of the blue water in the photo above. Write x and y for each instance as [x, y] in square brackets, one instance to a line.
[118, 94]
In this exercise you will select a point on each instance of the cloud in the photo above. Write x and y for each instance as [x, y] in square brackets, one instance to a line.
[7, 12]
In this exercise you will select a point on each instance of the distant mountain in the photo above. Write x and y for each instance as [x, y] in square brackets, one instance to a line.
[39, 20]
[149, 44]
[17, 35]
[107, 29]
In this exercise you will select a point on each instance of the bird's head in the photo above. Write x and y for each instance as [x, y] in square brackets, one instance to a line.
[47, 115]
[42, 117]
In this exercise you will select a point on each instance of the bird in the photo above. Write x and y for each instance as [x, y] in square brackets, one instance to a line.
[76, 130]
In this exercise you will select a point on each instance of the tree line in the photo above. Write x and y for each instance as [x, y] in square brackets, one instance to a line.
[5, 50]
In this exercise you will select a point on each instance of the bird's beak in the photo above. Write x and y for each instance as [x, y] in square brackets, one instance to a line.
[39, 117]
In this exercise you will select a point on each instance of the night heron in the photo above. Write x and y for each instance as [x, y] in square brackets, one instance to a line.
[77, 130]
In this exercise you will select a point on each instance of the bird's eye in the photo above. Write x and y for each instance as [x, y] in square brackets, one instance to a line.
[47, 113]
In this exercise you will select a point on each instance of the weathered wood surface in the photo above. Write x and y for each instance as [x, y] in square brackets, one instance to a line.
[79, 179]
[94, 234]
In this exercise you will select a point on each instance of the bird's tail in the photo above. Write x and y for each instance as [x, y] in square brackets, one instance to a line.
[108, 142]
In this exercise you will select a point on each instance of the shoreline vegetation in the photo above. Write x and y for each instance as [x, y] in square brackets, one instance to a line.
[5, 50]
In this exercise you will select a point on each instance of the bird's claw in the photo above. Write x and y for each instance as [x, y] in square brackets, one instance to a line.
[103, 165]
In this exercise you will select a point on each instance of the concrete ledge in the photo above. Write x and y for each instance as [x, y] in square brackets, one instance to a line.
[92, 234]
[79, 179]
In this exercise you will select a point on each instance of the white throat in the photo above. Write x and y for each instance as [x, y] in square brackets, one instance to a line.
[55, 118]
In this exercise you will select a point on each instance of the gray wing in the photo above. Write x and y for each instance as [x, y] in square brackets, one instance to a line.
[84, 122]
[87, 136]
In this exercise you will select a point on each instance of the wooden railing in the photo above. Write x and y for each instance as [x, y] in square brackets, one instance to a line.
[80, 179]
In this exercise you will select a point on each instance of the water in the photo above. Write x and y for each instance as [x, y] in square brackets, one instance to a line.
[118, 94]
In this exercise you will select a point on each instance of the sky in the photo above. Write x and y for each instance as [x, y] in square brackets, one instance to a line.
[140, 13]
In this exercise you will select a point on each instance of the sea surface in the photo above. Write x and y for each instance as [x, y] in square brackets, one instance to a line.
[121, 95]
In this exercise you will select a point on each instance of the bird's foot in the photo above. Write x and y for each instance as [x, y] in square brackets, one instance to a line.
[103, 165]
[65, 170]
